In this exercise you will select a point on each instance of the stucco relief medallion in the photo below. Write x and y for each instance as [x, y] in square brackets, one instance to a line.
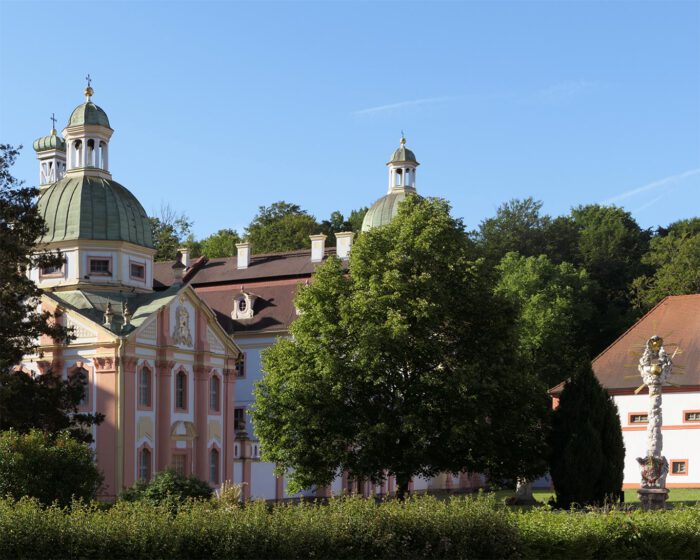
[181, 332]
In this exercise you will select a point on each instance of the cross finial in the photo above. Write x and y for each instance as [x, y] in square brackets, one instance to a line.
[88, 90]
[403, 138]
[53, 122]
[89, 80]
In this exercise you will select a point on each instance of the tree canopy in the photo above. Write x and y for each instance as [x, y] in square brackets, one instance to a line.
[674, 256]
[553, 304]
[21, 226]
[401, 367]
[220, 244]
[281, 227]
[170, 231]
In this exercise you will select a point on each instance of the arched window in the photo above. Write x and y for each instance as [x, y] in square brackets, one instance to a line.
[80, 375]
[214, 393]
[181, 390]
[145, 464]
[214, 466]
[145, 387]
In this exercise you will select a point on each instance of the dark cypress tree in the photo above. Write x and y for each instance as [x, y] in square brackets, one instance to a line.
[588, 454]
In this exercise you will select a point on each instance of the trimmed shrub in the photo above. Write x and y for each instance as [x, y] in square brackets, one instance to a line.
[587, 450]
[169, 488]
[47, 468]
[421, 527]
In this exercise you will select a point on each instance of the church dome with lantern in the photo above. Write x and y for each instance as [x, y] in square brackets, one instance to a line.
[96, 223]
[402, 183]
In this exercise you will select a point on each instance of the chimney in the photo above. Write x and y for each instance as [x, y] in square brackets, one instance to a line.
[243, 255]
[343, 243]
[185, 252]
[318, 247]
[178, 269]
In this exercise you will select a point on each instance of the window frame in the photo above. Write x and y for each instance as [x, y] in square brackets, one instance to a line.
[60, 273]
[139, 264]
[86, 401]
[184, 456]
[673, 462]
[181, 374]
[214, 466]
[686, 420]
[109, 266]
[215, 380]
[143, 450]
[139, 373]
[240, 366]
[241, 420]
[632, 414]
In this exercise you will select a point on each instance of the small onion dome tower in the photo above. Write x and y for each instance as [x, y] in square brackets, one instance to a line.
[402, 182]
[51, 153]
[97, 224]
[87, 137]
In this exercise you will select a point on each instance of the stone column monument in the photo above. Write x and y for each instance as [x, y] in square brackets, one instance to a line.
[655, 367]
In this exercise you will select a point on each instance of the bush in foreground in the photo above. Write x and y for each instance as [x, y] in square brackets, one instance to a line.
[168, 488]
[47, 468]
[422, 527]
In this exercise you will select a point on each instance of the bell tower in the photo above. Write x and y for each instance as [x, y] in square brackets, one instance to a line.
[51, 153]
[402, 169]
[87, 137]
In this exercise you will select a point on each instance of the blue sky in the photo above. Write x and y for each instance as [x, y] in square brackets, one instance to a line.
[220, 107]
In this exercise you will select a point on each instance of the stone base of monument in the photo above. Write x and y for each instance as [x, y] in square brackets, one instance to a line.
[653, 498]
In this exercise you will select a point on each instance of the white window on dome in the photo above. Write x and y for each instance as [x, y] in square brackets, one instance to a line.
[137, 271]
[100, 266]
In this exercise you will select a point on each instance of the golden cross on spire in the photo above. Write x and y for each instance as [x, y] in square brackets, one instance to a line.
[88, 90]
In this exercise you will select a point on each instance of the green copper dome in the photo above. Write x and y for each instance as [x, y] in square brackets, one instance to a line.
[50, 142]
[384, 210]
[93, 208]
[88, 113]
[402, 154]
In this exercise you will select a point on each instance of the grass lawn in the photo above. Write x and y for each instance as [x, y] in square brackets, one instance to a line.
[689, 496]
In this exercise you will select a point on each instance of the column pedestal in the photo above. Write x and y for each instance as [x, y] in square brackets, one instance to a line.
[653, 498]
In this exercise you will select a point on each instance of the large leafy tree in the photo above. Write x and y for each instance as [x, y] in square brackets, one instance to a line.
[21, 226]
[611, 245]
[281, 227]
[337, 223]
[674, 255]
[587, 449]
[45, 402]
[220, 244]
[170, 231]
[553, 308]
[404, 366]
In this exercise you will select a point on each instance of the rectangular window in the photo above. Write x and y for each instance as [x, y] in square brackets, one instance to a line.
[239, 419]
[679, 467]
[214, 466]
[145, 387]
[137, 271]
[81, 375]
[145, 464]
[100, 266]
[240, 366]
[214, 393]
[638, 418]
[180, 463]
[691, 415]
[51, 271]
[181, 390]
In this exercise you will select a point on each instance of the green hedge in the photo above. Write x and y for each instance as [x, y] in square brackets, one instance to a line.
[349, 528]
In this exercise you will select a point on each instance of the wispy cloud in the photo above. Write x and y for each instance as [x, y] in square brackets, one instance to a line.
[550, 94]
[564, 90]
[661, 183]
[648, 204]
[401, 105]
